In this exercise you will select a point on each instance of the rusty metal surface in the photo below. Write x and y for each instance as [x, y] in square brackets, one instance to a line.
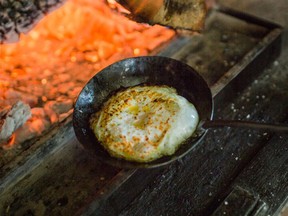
[264, 176]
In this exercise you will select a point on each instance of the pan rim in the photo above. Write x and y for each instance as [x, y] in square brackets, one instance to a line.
[122, 163]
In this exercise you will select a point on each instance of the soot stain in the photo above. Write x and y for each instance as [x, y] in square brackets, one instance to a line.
[175, 8]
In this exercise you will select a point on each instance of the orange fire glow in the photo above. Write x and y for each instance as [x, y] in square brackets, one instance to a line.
[83, 26]
[10, 142]
[66, 48]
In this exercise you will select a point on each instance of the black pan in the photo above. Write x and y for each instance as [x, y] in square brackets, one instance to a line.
[151, 70]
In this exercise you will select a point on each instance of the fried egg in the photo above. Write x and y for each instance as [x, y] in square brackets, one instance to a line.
[144, 123]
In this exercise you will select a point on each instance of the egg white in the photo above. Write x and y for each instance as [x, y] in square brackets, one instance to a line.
[144, 123]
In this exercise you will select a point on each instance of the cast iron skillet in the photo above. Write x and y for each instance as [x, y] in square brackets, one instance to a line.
[151, 70]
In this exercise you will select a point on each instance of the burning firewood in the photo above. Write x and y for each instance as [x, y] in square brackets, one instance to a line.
[11, 118]
[178, 14]
[21, 16]
[49, 65]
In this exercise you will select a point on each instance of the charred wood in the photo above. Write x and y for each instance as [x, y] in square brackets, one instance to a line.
[20, 16]
[11, 118]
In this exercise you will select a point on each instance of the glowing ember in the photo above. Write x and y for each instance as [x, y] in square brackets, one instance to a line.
[48, 67]
[10, 143]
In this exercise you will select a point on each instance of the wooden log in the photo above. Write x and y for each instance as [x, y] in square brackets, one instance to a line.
[12, 118]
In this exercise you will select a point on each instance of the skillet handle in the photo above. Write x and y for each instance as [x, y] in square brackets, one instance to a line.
[245, 124]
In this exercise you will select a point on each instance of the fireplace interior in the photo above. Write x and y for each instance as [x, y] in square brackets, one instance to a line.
[44, 169]
[48, 66]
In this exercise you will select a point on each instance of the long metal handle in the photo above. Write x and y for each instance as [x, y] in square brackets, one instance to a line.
[245, 124]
